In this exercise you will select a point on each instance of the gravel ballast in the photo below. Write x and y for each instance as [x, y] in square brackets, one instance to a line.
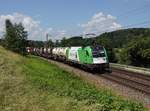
[102, 82]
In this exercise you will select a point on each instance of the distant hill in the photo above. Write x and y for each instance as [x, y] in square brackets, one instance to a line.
[115, 39]
[121, 37]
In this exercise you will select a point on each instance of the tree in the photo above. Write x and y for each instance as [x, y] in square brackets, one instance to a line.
[137, 52]
[50, 43]
[124, 56]
[10, 35]
[21, 42]
[15, 37]
[57, 43]
[64, 42]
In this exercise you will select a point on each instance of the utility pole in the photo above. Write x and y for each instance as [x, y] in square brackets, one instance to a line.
[47, 40]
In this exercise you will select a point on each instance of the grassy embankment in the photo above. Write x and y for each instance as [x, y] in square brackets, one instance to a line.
[32, 84]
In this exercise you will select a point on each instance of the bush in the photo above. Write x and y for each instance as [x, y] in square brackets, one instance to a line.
[137, 52]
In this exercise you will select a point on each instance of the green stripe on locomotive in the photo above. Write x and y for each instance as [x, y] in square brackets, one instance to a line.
[85, 55]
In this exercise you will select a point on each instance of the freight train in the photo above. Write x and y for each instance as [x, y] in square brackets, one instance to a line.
[89, 57]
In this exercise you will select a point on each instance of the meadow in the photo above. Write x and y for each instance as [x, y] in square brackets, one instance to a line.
[33, 84]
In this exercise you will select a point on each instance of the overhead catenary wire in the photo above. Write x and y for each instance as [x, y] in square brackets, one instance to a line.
[141, 23]
[127, 26]
[135, 10]
[130, 25]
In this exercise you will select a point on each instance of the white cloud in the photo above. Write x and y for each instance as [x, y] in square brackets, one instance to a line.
[35, 31]
[32, 26]
[100, 23]
[57, 34]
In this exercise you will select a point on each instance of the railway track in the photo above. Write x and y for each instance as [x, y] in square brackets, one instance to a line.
[136, 81]
[125, 83]
[133, 74]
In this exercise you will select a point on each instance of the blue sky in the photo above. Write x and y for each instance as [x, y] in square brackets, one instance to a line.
[74, 17]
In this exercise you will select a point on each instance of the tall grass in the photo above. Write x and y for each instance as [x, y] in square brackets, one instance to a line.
[32, 84]
[56, 81]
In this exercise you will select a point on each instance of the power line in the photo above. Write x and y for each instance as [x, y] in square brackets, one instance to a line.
[131, 25]
[141, 23]
[127, 26]
[134, 10]
[128, 13]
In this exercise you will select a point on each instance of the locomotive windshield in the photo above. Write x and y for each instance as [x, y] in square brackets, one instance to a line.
[98, 51]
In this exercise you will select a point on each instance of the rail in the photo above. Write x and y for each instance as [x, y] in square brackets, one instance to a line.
[131, 68]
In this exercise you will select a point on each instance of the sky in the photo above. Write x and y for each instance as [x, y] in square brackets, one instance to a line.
[66, 18]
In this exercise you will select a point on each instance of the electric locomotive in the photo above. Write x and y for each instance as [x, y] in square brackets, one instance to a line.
[91, 57]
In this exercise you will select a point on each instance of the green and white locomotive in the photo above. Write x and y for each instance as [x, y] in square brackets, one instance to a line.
[91, 57]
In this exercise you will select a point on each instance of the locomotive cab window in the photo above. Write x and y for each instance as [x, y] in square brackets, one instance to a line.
[98, 52]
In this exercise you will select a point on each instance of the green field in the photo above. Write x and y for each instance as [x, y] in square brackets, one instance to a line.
[32, 84]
